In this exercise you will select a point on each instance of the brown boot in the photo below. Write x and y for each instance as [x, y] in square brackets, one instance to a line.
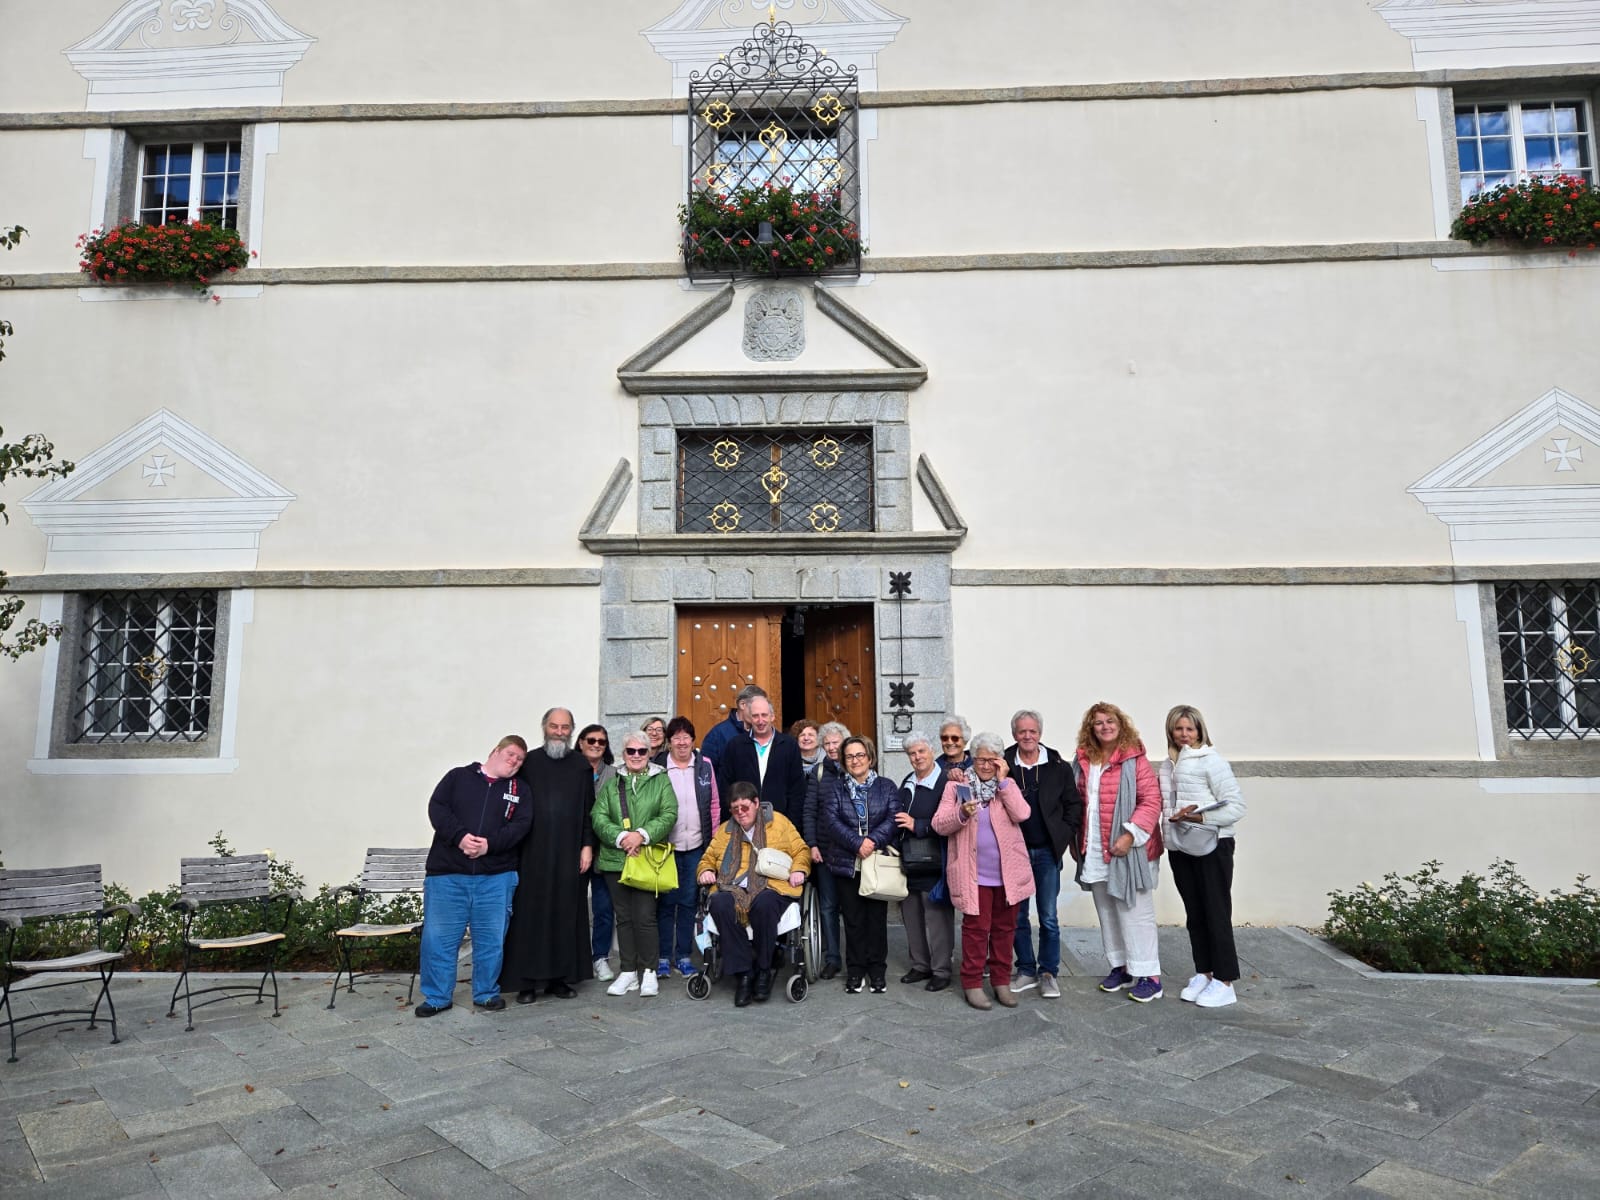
[1004, 995]
[979, 999]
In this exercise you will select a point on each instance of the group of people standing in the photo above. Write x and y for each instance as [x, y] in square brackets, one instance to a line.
[530, 847]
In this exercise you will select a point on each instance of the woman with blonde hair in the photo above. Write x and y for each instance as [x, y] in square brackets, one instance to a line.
[1200, 803]
[1120, 847]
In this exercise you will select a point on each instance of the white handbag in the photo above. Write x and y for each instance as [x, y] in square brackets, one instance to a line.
[882, 877]
[773, 863]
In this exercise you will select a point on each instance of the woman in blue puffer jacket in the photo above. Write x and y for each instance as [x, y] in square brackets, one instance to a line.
[855, 818]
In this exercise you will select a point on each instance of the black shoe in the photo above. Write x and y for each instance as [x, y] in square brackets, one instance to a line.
[560, 991]
[741, 993]
[915, 976]
[831, 971]
[880, 985]
[428, 1010]
[528, 997]
[762, 988]
[498, 1004]
[937, 984]
[852, 984]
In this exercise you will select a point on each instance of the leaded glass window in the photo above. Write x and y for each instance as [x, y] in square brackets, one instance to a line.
[145, 666]
[1550, 657]
[775, 481]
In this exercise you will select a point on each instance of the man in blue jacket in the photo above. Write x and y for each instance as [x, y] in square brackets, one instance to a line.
[480, 814]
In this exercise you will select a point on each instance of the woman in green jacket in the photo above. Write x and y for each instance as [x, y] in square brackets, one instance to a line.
[652, 812]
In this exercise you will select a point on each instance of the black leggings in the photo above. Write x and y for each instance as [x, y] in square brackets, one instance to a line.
[1206, 885]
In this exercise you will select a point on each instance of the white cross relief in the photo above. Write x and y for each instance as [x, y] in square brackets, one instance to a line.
[1564, 454]
[158, 469]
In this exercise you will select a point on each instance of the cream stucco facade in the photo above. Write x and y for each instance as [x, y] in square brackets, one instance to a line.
[1178, 392]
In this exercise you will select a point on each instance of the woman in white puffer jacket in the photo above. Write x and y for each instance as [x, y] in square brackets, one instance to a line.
[1200, 803]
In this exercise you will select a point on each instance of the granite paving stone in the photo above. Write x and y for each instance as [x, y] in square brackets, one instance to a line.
[1308, 1167]
[712, 1137]
[493, 1136]
[215, 1173]
[1405, 1183]
[448, 1172]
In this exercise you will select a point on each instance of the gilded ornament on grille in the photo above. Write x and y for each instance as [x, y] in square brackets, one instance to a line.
[725, 454]
[717, 113]
[152, 668]
[725, 517]
[825, 517]
[828, 107]
[1573, 660]
[826, 452]
[715, 171]
[775, 480]
[774, 137]
[832, 171]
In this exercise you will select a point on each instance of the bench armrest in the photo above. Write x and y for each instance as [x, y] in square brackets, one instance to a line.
[12, 923]
[348, 889]
[130, 909]
[186, 904]
[292, 896]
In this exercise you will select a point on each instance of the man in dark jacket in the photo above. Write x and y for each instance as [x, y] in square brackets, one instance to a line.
[479, 815]
[1055, 814]
[768, 759]
[722, 734]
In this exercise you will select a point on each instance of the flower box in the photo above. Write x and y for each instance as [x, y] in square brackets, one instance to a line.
[193, 252]
[769, 230]
[1539, 213]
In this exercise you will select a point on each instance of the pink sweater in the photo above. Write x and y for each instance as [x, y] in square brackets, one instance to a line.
[1006, 815]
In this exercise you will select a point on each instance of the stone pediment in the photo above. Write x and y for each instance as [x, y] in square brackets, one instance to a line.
[1487, 33]
[159, 496]
[188, 54]
[1526, 490]
[779, 337]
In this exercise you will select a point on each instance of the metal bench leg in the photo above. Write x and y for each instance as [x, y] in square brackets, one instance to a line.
[183, 982]
[417, 966]
[111, 1005]
[270, 972]
[344, 959]
[11, 1018]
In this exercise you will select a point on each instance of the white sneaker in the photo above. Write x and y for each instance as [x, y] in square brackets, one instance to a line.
[1217, 995]
[1048, 987]
[603, 971]
[649, 985]
[626, 982]
[1197, 984]
[1023, 982]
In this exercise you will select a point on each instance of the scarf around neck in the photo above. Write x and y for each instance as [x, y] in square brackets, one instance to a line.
[729, 873]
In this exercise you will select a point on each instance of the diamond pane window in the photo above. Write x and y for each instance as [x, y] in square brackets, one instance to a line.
[1550, 657]
[773, 162]
[775, 480]
[144, 667]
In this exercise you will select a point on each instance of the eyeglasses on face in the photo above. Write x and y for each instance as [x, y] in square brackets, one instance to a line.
[594, 741]
[636, 751]
[950, 737]
[859, 754]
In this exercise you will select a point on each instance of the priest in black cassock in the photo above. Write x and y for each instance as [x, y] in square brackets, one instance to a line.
[547, 941]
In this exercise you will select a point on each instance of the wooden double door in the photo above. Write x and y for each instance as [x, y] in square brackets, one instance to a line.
[814, 662]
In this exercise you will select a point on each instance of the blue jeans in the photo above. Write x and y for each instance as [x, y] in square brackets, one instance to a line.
[828, 898]
[1047, 891]
[601, 912]
[675, 910]
[450, 905]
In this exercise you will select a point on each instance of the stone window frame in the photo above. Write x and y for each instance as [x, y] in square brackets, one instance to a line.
[1505, 93]
[1509, 747]
[123, 158]
[886, 413]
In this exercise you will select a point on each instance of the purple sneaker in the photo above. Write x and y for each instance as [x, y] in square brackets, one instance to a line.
[1117, 980]
[1147, 989]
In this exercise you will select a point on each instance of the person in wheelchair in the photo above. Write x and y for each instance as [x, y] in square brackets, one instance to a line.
[743, 896]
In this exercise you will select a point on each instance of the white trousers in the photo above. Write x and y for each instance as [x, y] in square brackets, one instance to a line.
[1128, 932]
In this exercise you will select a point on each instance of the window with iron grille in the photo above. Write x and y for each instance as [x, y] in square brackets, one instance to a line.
[773, 162]
[775, 480]
[144, 668]
[1549, 635]
[190, 181]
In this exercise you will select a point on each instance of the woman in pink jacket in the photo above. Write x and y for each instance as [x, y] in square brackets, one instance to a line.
[988, 870]
[1121, 847]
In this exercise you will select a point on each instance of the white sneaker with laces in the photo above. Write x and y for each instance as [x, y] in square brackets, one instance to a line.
[627, 981]
[1048, 987]
[1217, 995]
[1197, 984]
[649, 984]
[1022, 983]
[603, 971]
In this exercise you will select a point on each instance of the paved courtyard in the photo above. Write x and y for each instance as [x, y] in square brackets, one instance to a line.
[1319, 1083]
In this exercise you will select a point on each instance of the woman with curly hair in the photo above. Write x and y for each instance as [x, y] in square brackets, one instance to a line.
[1120, 847]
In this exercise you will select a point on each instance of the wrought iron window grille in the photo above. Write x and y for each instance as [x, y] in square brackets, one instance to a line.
[774, 159]
[144, 667]
[1549, 635]
[775, 481]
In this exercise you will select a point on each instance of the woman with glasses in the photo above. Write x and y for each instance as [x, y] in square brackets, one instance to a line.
[954, 733]
[595, 746]
[987, 868]
[656, 730]
[636, 808]
[820, 779]
[855, 819]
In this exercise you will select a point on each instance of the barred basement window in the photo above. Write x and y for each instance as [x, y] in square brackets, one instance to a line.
[144, 668]
[1549, 637]
[775, 480]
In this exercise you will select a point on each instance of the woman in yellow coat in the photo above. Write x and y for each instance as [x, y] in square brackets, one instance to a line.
[741, 897]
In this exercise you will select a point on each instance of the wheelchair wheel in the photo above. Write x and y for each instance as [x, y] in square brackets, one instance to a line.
[797, 987]
[811, 933]
[698, 985]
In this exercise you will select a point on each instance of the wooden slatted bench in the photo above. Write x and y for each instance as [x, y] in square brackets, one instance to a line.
[387, 872]
[230, 891]
[58, 898]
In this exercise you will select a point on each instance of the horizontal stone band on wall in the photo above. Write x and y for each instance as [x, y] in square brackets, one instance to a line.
[1413, 768]
[1331, 576]
[1567, 75]
[455, 577]
[1037, 260]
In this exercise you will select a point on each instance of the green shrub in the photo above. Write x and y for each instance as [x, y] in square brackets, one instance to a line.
[1476, 926]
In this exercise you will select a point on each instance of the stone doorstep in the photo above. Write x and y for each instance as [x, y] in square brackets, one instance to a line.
[1328, 950]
